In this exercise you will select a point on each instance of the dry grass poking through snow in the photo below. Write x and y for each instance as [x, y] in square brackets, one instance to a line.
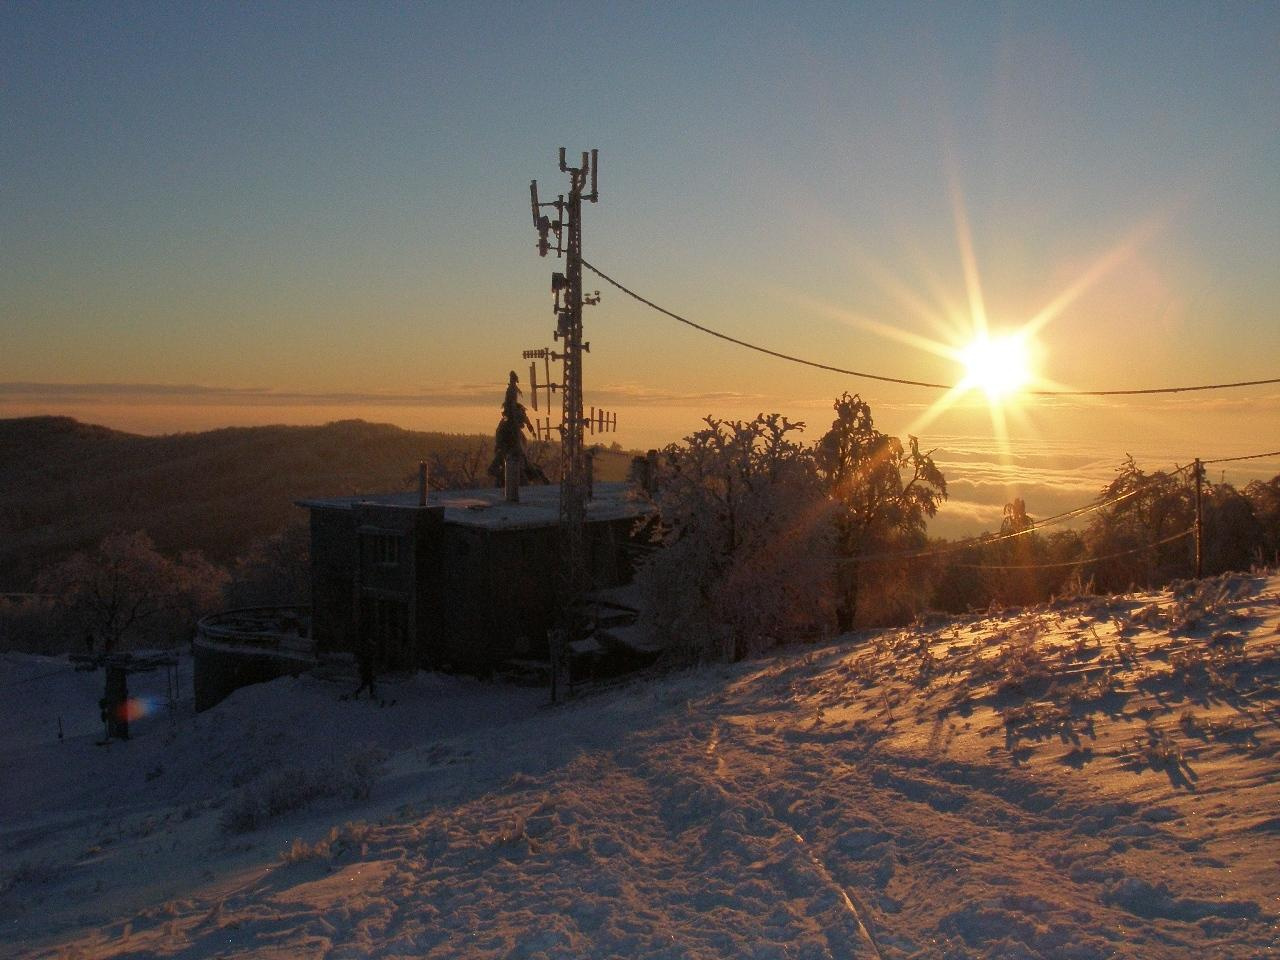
[1145, 727]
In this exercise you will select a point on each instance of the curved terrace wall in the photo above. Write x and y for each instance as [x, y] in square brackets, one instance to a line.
[236, 648]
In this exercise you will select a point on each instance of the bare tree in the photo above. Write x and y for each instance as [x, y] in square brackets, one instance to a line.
[460, 467]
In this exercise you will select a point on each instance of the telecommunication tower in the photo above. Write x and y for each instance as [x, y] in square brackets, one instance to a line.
[563, 235]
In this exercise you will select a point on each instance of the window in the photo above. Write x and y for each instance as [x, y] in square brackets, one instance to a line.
[384, 549]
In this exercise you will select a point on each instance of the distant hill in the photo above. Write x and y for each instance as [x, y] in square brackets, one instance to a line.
[65, 484]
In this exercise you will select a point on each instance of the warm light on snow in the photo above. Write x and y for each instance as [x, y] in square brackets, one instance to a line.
[1094, 778]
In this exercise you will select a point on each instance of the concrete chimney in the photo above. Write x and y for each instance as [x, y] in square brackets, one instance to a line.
[511, 474]
[651, 472]
[422, 483]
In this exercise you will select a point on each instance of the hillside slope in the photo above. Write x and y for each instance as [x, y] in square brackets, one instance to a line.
[64, 484]
[1099, 778]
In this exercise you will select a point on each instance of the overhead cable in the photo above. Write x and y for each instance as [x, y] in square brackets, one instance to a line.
[751, 346]
[1252, 456]
[977, 543]
[1074, 563]
[901, 380]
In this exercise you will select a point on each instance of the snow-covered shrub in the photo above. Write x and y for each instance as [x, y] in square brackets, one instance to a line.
[1022, 658]
[1157, 751]
[292, 788]
[744, 526]
[351, 837]
[29, 873]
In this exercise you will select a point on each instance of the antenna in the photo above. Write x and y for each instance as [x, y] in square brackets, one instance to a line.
[546, 355]
[568, 299]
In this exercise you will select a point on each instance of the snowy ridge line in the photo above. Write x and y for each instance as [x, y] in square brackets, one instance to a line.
[914, 383]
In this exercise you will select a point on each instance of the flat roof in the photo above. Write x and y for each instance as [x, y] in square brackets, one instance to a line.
[539, 505]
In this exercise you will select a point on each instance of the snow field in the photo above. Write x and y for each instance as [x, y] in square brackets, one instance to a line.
[1090, 779]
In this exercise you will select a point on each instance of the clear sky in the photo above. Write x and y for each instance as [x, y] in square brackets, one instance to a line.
[216, 213]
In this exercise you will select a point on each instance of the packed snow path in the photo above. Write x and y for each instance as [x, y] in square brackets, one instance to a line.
[1096, 779]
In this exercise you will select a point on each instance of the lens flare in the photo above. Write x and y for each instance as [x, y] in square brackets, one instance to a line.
[137, 708]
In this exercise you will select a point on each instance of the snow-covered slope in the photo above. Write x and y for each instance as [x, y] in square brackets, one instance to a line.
[1096, 778]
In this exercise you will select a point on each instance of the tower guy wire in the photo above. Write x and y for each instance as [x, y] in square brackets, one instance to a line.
[906, 382]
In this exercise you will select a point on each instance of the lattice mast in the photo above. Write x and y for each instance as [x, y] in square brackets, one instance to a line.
[566, 287]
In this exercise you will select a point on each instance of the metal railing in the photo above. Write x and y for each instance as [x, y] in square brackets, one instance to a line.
[283, 628]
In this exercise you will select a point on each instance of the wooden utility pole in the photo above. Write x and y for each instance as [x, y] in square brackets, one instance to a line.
[1199, 468]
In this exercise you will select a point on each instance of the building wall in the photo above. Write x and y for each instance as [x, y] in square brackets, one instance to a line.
[397, 581]
[333, 553]
[499, 594]
[220, 669]
[473, 596]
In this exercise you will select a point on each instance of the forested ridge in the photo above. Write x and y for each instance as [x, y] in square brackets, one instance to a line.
[64, 485]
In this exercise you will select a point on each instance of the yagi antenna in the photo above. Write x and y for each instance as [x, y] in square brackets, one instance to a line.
[544, 224]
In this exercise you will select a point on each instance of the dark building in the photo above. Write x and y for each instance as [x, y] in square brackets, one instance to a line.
[468, 581]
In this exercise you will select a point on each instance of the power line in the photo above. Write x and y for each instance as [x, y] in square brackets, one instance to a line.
[1036, 527]
[900, 380]
[1252, 456]
[751, 346]
[1074, 563]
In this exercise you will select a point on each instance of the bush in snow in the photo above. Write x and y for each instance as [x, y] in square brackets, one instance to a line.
[28, 873]
[351, 837]
[742, 520]
[292, 788]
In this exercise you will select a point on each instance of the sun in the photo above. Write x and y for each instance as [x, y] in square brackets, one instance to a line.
[1000, 366]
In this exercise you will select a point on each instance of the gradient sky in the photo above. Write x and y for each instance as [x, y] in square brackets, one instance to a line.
[218, 213]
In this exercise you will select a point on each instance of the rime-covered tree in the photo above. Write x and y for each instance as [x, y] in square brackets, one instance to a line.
[508, 439]
[884, 494]
[1265, 497]
[125, 592]
[1130, 537]
[742, 518]
[275, 570]
[1233, 536]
